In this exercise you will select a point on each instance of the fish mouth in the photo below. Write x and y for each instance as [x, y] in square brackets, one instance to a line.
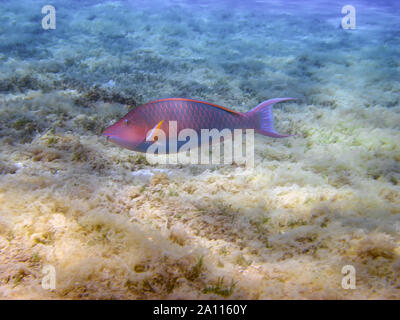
[107, 132]
[121, 142]
[112, 138]
[107, 135]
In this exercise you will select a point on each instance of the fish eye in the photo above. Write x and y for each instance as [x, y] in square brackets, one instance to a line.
[126, 121]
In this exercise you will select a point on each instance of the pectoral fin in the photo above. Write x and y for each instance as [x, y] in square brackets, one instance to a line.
[153, 132]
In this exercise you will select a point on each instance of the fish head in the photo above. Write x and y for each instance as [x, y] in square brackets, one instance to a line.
[126, 132]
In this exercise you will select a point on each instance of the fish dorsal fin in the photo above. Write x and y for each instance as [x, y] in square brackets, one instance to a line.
[203, 102]
[153, 131]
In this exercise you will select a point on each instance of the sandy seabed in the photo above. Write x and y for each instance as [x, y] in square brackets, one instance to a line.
[116, 227]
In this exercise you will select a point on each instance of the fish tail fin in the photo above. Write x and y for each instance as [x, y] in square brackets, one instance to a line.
[264, 119]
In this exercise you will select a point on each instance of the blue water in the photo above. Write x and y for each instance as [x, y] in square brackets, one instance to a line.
[232, 52]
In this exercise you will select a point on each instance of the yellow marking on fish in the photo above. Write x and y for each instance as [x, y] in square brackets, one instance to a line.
[153, 132]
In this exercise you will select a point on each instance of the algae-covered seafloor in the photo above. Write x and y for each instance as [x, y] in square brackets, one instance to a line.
[114, 226]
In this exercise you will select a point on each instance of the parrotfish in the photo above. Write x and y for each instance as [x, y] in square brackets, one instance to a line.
[135, 131]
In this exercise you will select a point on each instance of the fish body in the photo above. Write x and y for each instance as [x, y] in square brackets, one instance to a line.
[132, 131]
